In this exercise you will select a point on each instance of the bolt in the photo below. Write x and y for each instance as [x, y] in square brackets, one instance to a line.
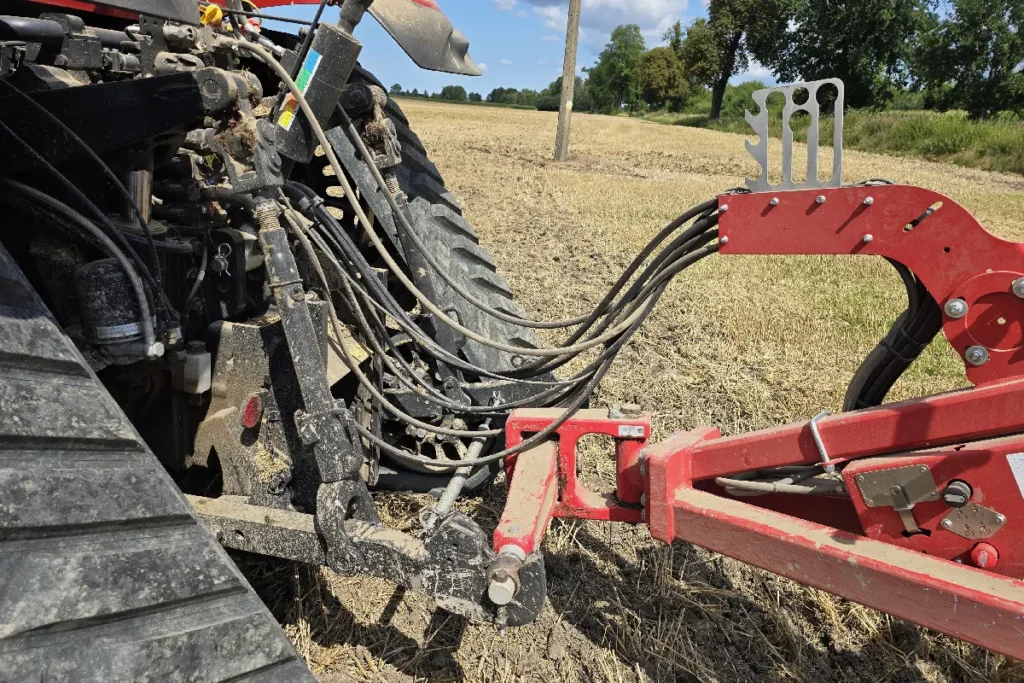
[946, 523]
[155, 351]
[643, 499]
[724, 239]
[1018, 287]
[298, 294]
[956, 308]
[774, 201]
[866, 239]
[868, 201]
[1001, 519]
[820, 199]
[723, 208]
[501, 592]
[860, 477]
[976, 355]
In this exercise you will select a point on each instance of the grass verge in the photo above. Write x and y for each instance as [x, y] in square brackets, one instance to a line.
[994, 145]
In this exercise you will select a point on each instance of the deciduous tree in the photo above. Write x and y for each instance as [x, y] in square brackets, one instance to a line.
[661, 79]
[972, 57]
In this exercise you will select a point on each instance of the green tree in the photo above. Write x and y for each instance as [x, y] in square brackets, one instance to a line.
[661, 79]
[612, 80]
[454, 92]
[396, 89]
[699, 54]
[475, 97]
[674, 37]
[970, 58]
[415, 92]
[866, 43]
[735, 32]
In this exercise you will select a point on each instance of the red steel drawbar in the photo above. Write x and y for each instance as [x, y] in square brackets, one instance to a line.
[929, 528]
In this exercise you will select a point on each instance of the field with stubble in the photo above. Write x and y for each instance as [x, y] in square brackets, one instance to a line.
[739, 342]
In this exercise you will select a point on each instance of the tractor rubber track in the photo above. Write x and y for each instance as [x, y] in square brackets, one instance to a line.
[105, 572]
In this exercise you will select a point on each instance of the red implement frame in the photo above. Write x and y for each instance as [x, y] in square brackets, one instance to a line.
[841, 544]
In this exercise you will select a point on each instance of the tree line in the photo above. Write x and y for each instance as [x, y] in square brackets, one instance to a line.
[963, 54]
[942, 54]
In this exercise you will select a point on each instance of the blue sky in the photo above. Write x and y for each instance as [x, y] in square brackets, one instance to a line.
[517, 43]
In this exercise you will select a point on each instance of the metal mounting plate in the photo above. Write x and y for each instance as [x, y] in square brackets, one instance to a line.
[916, 481]
[973, 521]
[760, 125]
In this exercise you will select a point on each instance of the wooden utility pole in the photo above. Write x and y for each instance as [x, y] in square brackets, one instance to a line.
[572, 35]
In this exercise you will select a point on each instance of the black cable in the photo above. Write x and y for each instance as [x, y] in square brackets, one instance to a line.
[60, 210]
[308, 40]
[116, 234]
[111, 176]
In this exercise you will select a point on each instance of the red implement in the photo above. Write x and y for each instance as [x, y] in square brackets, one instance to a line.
[926, 524]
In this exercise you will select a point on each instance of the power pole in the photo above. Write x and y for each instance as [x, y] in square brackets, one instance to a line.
[572, 35]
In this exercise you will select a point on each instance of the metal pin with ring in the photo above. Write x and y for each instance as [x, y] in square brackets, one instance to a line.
[830, 469]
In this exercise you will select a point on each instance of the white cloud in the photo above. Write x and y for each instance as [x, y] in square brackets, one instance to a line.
[482, 66]
[507, 5]
[605, 15]
[522, 14]
[554, 16]
[551, 38]
[507, 62]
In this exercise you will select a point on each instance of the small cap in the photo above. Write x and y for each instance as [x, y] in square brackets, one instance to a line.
[501, 592]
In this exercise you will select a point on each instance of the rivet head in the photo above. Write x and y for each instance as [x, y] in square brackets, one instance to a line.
[724, 239]
[976, 355]
[868, 238]
[956, 308]
[946, 523]
[723, 208]
[1018, 287]
[820, 199]
[774, 201]
[1001, 518]
[868, 201]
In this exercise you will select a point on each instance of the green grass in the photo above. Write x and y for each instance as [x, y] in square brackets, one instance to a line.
[995, 145]
[475, 104]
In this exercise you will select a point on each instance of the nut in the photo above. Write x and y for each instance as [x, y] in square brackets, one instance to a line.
[976, 355]
[956, 308]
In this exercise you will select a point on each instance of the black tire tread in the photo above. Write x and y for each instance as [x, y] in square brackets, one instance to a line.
[105, 572]
[456, 246]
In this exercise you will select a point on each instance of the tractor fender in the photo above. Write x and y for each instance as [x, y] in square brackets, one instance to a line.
[426, 35]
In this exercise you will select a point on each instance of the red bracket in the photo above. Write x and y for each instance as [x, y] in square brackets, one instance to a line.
[543, 482]
[935, 237]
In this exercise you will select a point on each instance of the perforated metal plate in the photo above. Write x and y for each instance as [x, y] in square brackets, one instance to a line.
[759, 123]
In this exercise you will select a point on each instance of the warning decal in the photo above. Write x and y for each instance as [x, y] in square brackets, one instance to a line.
[290, 110]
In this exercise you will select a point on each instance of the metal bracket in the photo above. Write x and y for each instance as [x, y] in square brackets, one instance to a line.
[899, 488]
[760, 125]
[973, 521]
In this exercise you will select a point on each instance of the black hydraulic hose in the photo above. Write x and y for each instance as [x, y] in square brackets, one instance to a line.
[533, 440]
[696, 236]
[112, 230]
[105, 243]
[47, 33]
[157, 280]
[458, 288]
[352, 254]
[378, 326]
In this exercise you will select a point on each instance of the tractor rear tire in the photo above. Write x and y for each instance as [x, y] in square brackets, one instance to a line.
[105, 572]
